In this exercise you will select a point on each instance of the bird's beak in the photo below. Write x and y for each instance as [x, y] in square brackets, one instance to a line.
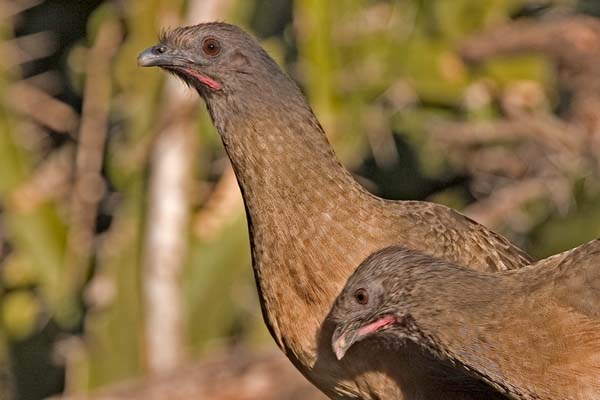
[151, 58]
[346, 335]
[343, 338]
[176, 61]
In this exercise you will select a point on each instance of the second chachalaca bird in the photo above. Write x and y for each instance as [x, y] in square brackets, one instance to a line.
[310, 223]
[532, 333]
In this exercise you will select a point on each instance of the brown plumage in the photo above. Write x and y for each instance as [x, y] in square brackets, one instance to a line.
[533, 333]
[310, 223]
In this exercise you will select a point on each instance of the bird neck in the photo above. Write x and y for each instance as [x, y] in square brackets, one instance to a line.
[285, 166]
[463, 298]
[466, 320]
[293, 187]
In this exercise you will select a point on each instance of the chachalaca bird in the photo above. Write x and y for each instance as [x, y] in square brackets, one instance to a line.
[532, 333]
[310, 223]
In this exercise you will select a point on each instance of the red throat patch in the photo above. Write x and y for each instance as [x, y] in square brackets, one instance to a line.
[377, 325]
[211, 83]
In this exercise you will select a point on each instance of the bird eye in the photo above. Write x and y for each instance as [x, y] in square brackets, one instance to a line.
[361, 296]
[211, 47]
[160, 49]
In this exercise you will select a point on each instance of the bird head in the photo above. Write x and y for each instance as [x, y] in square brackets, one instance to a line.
[211, 57]
[375, 300]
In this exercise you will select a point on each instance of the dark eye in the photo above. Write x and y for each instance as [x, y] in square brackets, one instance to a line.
[159, 49]
[361, 296]
[211, 47]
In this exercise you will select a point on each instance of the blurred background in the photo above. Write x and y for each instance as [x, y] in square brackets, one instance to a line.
[123, 245]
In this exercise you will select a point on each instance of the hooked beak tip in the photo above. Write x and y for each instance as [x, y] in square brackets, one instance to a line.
[340, 352]
[339, 344]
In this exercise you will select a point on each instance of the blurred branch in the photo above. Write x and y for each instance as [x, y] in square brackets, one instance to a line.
[224, 200]
[89, 184]
[548, 152]
[544, 153]
[50, 180]
[166, 238]
[232, 376]
[165, 245]
[567, 40]
[492, 211]
[41, 107]
[207, 10]
[26, 48]
[572, 43]
[48, 81]
[14, 7]
[546, 129]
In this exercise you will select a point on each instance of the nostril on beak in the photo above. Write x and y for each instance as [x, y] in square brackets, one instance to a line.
[151, 56]
[159, 49]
